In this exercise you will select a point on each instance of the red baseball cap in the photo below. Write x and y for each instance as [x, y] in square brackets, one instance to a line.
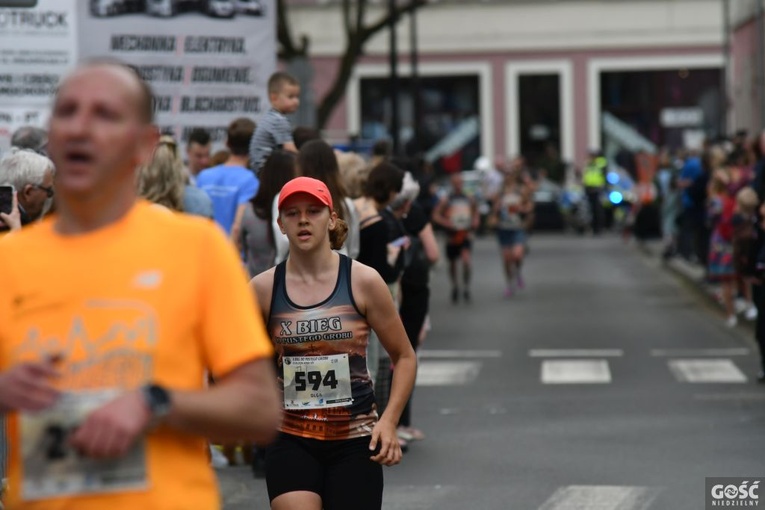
[313, 187]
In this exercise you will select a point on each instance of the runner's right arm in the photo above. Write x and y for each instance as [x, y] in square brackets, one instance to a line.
[439, 214]
[28, 387]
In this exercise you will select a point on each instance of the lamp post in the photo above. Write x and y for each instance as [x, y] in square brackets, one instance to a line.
[393, 80]
[415, 91]
[724, 99]
[760, 60]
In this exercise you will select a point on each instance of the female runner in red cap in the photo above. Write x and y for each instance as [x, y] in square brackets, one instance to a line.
[319, 307]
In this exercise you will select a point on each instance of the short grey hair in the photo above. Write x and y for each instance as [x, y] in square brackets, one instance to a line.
[30, 137]
[410, 189]
[21, 167]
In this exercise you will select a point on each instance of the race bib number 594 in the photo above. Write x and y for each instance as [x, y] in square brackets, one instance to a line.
[315, 382]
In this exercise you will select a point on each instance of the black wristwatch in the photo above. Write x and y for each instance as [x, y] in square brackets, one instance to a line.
[158, 401]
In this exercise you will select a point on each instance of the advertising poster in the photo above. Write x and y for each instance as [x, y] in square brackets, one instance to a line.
[37, 46]
[208, 61]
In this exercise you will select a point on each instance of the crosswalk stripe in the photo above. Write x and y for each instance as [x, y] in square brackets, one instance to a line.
[576, 353]
[676, 353]
[605, 497]
[459, 354]
[706, 371]
[584, 371]
[736, 397]
[447, 373]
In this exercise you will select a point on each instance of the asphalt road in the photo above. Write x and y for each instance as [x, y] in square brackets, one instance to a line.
[606, 385]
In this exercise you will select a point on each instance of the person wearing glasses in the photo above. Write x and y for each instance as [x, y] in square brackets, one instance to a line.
[31, 175]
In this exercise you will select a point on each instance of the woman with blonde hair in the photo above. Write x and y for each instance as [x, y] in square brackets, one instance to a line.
[512, 203]
[721, 268]
[353, 173]
[164, 182]
[161, 181]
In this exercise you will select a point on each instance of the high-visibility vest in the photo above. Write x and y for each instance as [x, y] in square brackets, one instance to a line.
[594, 174]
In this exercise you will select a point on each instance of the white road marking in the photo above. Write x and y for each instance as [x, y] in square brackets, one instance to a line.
[584, 371]
[675, 353]
[458, 354]
[418, 497]
[706, 371]
[721, 397]
[605, 497]
[576, 353]
[447, 373]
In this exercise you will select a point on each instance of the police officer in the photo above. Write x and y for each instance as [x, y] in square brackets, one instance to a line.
[594, 182]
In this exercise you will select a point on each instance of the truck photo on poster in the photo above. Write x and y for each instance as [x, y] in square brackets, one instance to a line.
[207, 61]
[170, 8]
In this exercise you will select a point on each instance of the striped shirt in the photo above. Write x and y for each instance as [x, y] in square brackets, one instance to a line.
[272, 132]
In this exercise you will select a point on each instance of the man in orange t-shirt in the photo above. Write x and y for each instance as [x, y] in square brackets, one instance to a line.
[107, 330]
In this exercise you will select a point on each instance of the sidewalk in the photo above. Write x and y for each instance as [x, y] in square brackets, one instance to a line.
[693, 274]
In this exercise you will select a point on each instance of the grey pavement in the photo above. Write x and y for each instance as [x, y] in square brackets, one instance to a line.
[608, 384]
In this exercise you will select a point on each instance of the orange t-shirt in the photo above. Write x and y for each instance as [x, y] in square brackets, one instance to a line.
[155, 297]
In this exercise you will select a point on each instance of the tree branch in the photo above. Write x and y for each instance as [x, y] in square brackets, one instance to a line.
[361, 10]
[288, 49]
[356, 38]
[347, 19]
[386, 19]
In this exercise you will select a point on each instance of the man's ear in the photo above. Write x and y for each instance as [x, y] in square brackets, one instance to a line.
[279, 222]
[25, 193]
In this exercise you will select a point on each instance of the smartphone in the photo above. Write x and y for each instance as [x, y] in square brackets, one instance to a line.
[401, 241]
[6, 199]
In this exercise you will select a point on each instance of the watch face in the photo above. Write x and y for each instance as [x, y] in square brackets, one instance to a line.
[159, 400]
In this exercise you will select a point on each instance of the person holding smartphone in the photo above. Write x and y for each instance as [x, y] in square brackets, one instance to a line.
[10, 217]
[320, 306]
[26, 180]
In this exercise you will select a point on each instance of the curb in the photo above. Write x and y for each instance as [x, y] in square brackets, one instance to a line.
[692, 274]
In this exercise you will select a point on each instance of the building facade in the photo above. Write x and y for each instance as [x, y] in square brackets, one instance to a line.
[501, 78]
[746, 62]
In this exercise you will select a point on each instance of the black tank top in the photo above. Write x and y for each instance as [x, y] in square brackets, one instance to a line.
[307, 340]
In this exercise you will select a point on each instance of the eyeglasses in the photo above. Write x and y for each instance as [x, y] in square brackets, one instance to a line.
[47, 189]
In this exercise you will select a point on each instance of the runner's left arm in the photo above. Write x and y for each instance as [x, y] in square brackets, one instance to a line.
[375, 300]
[476, 220]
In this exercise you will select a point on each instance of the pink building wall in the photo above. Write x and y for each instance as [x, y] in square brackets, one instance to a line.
[325, 69]
[744, 95]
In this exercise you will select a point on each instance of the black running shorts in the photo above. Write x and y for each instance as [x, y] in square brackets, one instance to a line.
[454, 251]
[340, 471]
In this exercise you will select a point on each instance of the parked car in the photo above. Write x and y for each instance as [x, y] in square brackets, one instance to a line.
[100, 8]
[250, 7]
[169, 8]
[547, 206]
[221, 8]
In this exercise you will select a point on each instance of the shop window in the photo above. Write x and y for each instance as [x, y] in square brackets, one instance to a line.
[449, 118]
[673, 108]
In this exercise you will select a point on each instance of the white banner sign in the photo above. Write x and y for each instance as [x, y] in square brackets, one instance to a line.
[208, 61]
[37, 46]
[682, 117]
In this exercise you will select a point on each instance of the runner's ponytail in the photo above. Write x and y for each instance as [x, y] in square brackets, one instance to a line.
[338, 235]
